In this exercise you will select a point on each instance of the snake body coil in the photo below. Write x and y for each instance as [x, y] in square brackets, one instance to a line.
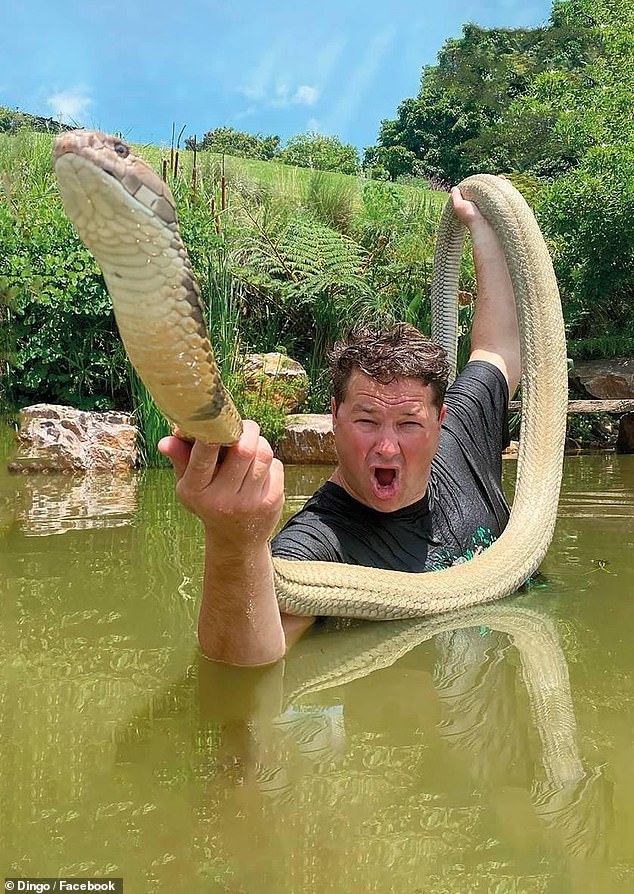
[126, 216]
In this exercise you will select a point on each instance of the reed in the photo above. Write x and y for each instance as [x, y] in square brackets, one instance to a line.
[150, 422]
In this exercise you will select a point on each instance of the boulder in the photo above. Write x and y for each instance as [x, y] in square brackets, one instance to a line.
[308, 439]
[55, 438]
[283, 380]
[606, 379]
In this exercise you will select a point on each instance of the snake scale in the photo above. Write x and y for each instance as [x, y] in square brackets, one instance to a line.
[126, 216]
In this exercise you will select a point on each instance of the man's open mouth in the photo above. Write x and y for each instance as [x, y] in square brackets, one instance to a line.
[385, 481]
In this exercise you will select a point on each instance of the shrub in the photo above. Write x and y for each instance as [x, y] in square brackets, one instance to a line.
[588, 216]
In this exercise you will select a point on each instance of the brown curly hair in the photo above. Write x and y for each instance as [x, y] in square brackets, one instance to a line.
[398, 352]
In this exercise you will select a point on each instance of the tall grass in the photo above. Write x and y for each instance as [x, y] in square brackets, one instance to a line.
[336, 203]
[26, 173]
[150, 422]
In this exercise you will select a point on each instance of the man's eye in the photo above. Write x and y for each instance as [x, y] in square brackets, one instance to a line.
[411, 425]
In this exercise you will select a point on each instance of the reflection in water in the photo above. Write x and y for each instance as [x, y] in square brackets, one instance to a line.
[70, 503]
[440, 756]
[359, 805]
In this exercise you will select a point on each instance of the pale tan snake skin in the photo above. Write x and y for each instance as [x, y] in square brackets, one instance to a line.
[126, 216]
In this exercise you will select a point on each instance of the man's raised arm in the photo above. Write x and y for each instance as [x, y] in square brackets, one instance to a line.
[494, 334]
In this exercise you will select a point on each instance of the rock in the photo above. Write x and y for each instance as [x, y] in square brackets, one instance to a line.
[512, 451]
[55, 438]
[625, 440]
[308, 438]
[607, 379]
[284, 379]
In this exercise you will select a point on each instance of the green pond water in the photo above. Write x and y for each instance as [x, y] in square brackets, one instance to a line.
[488, 752]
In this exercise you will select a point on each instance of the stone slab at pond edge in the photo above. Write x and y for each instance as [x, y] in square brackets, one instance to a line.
[286, 379]
[54, 438]
[604, 379]
[308, 439]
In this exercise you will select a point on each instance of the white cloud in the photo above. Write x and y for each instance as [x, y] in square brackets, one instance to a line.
[258, 83]
[251, 92]
[71, 105]
[306, 95]
[271, 89]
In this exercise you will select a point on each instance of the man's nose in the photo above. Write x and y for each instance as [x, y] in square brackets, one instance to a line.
[387, 444]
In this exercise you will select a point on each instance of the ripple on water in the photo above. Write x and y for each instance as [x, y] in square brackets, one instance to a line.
[617, 503]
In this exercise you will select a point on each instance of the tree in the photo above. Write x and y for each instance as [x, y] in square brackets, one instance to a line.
[461, 122]
[12, 120]
[312, 150]
[230, 141]
[388, 162]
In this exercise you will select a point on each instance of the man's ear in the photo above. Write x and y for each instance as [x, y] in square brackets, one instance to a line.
[333, 410]
[442, 414]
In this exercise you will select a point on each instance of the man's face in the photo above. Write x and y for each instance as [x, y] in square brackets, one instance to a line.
[386, 438]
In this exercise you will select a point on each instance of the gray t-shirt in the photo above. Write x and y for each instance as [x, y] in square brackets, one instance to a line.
[463, 509]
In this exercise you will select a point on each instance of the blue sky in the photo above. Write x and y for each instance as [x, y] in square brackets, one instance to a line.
[282, 67]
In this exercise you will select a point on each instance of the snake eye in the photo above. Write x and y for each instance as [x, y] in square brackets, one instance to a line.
[121, 149]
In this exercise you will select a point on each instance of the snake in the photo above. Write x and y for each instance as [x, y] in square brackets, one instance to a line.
[126, 216]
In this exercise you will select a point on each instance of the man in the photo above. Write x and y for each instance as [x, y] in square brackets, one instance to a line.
[387, 434]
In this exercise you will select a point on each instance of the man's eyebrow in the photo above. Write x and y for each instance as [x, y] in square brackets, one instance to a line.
[364, 408]
[372, 410]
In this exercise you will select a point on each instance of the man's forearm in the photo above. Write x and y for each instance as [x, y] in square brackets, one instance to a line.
[240, 622]
[494, 334]
[495, 330]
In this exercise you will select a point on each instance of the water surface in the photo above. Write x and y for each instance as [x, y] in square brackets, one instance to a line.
[491, 752]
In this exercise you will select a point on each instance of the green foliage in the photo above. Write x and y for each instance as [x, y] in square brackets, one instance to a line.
[312, 277]
[333, 202]
[389, 162]
[150, 422]
[264, 404]
[64, 344]
[601, 346]
[478, 109]
[12, 121]
[284, 257]
[398, 229]
[8, 294]
[588, 216]
[236, 142]
[553, 108]
[312, 150]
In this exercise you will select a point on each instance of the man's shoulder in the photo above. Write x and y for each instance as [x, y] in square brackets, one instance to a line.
[477, 399]
[480, 372]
